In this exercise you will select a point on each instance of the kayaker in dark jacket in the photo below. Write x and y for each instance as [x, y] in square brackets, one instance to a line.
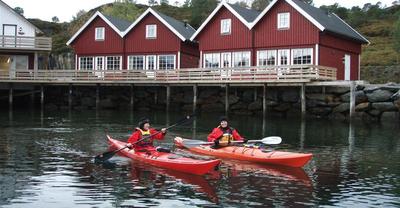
[224, 134]
[142, 131]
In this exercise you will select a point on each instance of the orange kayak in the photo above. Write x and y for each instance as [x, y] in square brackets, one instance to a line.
[166, 160]
[256, 155]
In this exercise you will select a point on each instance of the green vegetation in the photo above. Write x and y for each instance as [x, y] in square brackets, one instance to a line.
[381, 26]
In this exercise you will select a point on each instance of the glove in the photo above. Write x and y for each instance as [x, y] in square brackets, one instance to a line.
[216, 142]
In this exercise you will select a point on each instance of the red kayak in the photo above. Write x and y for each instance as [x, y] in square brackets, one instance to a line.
[247, 153]
[166, 160]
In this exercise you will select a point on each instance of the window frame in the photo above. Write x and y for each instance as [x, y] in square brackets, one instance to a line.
[226, 24]
[148, 29]
[280, 20]
[303, 53]
[98, 31]
[86, 59]
[159, 59]
[107, 64]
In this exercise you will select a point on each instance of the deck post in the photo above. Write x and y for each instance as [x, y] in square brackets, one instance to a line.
[303, 98]
[226, 99]
[10, 96]
[97, 96]
[264, 100]
[70, 96]
[156, 97]
[168, 97]
[41, 95]
[132, 100]
[255, 94]
[352, 98]
[33, 96]
[194, 98]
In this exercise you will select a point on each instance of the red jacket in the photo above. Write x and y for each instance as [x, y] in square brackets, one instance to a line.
[218, 132]
[137, 135]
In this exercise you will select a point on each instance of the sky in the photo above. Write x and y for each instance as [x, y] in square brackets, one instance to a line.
[66, 9]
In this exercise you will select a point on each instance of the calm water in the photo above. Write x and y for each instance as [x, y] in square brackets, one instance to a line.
[46, 161]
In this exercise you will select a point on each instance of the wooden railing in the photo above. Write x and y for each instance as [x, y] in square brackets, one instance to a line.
[198, 75]
[25, 42]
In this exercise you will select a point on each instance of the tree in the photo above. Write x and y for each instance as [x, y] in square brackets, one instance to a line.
[242, 4]
[55, 19]
[342, 12]
[124, 10]
[152, 2]
[260, 5]
[200, 10]
[164, 2]
[19, 10]
[396, 37]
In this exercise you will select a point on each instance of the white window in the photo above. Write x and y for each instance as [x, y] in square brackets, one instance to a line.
[151, 31]
[211, 60]
[166, 62]
[136, 62]
[283, 57]
[100, 33]
[266, 58]
[86, 63]
[302, 56]
[226, 60]
[99, 63]
[113, 63]
[225, 26]
[241, 59]
[284, 20]
[151, 62]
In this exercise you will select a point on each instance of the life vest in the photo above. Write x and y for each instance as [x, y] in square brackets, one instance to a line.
[146, 141]
[226, 137]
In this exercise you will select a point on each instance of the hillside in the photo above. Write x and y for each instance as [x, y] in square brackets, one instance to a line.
[376, 24]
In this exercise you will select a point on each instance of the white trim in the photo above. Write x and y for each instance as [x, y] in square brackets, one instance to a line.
[120, 63]
[226, 5]
[148, 29]
[201, 60]
[279, 18]
[347, 62]
[76, 62]
[150, 10]
[178, 66]
[316, 54]
[97, 32]
[353, 29]
[294, 5]
[97, 14]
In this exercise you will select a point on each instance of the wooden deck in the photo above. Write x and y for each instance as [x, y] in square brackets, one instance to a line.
[25, 43]
[250, 75]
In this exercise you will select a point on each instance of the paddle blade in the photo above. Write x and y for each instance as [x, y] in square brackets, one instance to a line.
[104, 157]
[271, 140]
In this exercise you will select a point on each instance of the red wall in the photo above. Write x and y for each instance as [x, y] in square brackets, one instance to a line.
[86, 44]
[340, 43]
[301, 31]
[334, 58]
[210, 37]
[136, 41]
[190, 55]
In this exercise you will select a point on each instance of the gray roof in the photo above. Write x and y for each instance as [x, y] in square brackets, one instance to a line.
[184, 29]
[248, 14]
[330, 21]
[121, 24]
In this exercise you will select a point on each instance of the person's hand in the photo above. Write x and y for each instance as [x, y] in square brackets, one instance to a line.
[216, 142]
[164, 130]
[245, 140]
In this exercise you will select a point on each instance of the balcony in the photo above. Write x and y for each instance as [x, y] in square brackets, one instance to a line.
[25, 43]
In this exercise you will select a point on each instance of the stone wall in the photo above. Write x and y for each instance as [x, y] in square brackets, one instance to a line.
[372, 101]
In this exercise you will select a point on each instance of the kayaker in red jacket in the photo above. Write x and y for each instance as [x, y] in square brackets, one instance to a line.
[224, 134]
[142, 131]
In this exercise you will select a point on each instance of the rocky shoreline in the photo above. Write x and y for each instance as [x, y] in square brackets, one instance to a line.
[372, 101]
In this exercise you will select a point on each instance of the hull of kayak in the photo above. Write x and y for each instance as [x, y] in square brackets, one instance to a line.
[166, 160]
[248, 154]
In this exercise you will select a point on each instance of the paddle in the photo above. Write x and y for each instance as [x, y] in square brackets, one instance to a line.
[107, 155]
[267, 140]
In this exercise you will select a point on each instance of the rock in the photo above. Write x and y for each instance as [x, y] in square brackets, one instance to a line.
[107, 104]
[213, 107]
[88, 101]
[397, 103]
[311, 90]
[208, 92]
[384, 106]
[257, 105]
[338, 116]
[248, 95]
[379, 96]
[239, 105]
[360, 87]
[362, 107]
[359, 95]
[243, 112]
[232, 99]
[344, 107]
[396, 96]
[143, 109]
[290, 95]
[320, 97]
[370, 89]
[209, 100]
[272, 94]
[390, 115]
[337, 90]
[272, 103]
[283, 107]
[321, 111]
[374, 112]
[140, 94]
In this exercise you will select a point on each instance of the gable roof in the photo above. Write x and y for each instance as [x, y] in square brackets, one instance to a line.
[113, 22]
[321, 19]
[183, 30]
[246, 16]
[20, 16]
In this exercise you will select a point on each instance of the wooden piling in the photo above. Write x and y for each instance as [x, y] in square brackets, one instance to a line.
[132, 97]
[303, 98]
[70, 96]
[352, 98]
[264, 100]
[226, 99]
[168, 97]
[10, 96]
[194, 98]
[97, 96]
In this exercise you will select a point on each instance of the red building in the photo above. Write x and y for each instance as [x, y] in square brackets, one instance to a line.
[287, 32]
[154, 41]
